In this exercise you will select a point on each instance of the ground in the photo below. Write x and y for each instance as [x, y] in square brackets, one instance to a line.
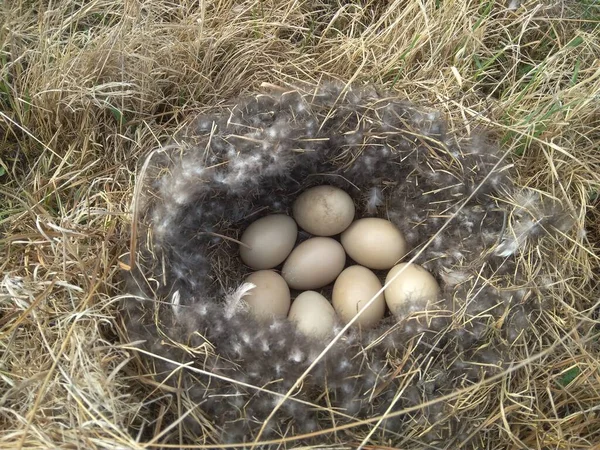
[88, 88]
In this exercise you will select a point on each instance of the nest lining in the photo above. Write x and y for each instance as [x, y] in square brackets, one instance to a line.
[237, 163]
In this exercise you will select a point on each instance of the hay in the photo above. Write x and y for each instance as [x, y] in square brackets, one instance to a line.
[86, 92]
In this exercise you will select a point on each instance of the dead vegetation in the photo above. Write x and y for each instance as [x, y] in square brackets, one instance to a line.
[89, 88]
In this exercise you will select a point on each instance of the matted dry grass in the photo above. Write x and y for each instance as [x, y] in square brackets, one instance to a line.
[87, 88]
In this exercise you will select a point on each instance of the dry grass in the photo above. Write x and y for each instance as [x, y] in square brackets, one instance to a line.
[87, 88]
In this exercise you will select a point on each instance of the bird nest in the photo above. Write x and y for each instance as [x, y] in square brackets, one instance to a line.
[417, 379]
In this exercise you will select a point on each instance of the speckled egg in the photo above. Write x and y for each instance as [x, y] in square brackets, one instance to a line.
[412, 290]
[270, 297]
[314, 263]
[374, 243]
[324, 210]
[353, 289]
[268, 241]
[313, 315]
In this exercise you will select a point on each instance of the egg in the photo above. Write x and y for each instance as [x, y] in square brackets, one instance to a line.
[353, 289]
[314, 263]
[313, 315]
[271, 296]
[411, 291]
[324, 210]
[374, 243]
[268, 241]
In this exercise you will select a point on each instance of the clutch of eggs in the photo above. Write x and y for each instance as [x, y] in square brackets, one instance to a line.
[372, 243]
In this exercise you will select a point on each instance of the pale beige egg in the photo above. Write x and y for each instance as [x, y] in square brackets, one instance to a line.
[314, 263]
[268, 241]
[352, 290]
[374, 243]
[412, 290]
[324, 210]
[270, 297]
[313, 315]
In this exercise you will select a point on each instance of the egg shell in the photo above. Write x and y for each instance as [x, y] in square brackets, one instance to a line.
[313, 315]
[353, 289]
[268, 241]
[374, 243]
[411, 291]
[324, 210]
[271, 296]
[314, 263]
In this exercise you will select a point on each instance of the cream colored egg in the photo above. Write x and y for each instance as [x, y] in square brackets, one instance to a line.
[374, 243]
[315, 263]
[324, 210]
[313, 315]
[412, 290]
[268, 241]
[352, 290]
[270, 297]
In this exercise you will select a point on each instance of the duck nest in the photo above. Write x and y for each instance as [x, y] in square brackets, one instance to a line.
[425, 378]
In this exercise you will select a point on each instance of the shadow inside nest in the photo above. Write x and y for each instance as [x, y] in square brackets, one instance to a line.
[240, 162]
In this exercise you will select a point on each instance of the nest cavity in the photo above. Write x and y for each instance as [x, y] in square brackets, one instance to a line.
[454, 197]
